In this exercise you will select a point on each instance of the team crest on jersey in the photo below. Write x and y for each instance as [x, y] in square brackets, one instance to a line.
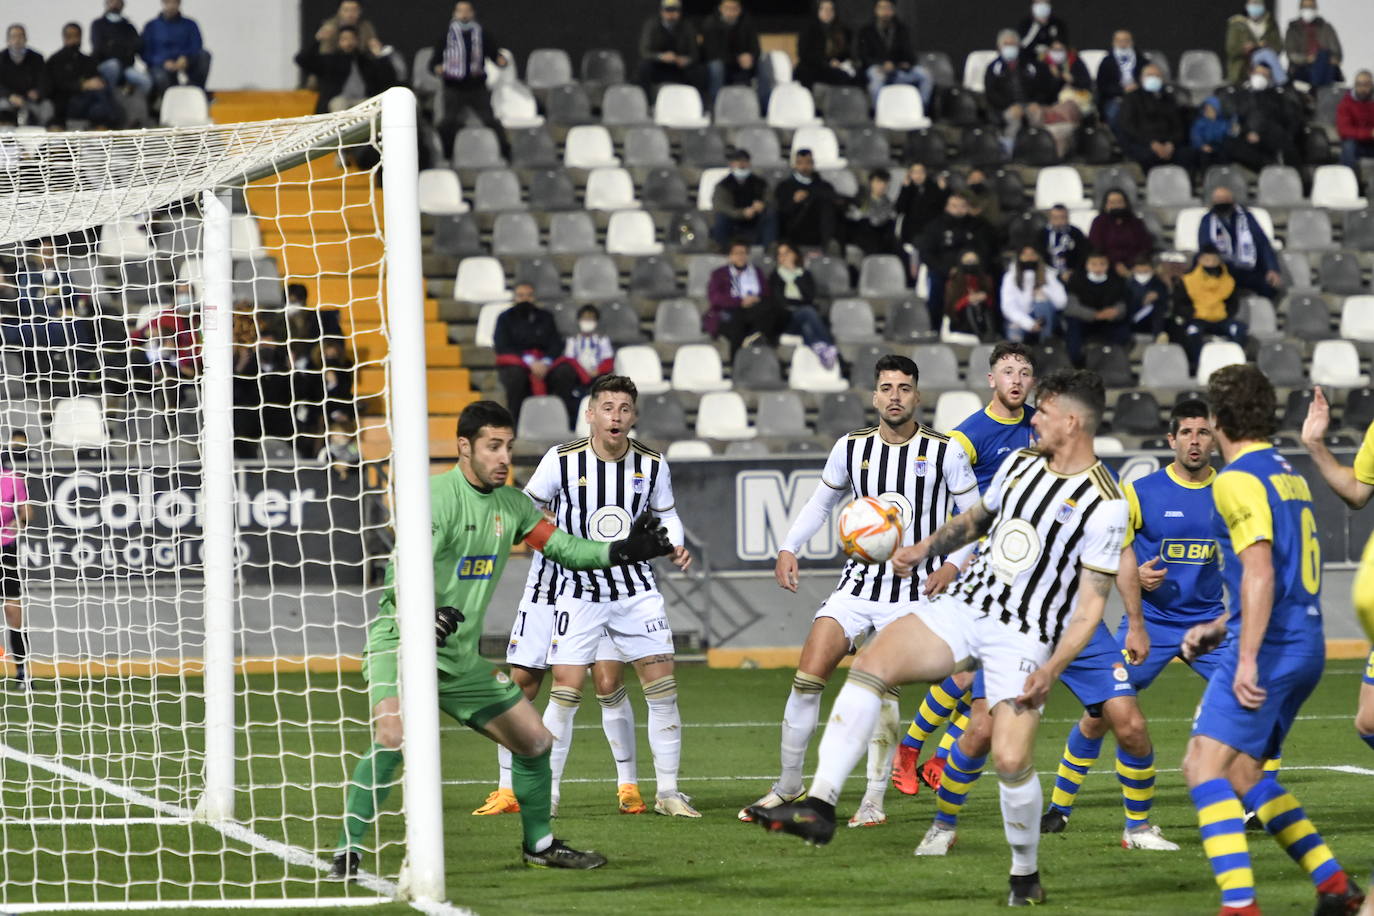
[920, 467]
[497, 526]
[1065, 511]
[637, 484]
[500, 676]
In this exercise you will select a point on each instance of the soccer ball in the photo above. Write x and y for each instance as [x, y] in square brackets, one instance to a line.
[870, 529]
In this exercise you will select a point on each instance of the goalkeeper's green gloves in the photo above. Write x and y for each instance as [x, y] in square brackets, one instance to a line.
[446, 620]
[647, 539]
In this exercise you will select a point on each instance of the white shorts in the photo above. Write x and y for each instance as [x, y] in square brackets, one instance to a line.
[859, 616]
[1006, 655]
[636, 627]
[532, 633]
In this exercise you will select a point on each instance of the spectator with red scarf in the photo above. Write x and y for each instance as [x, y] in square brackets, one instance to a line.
[528, 354]
[971, 298]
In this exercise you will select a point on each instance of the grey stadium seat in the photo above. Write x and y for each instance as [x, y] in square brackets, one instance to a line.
[568, 106]
[1137, 414]
[572, 232]
[552, 189]
[747, 448]
[757, 368]
[1309, 229]
[1359, 230]
[842, 411]
[1309, 317]
[543, 418]
[662, 418]
[457, 235]
[548, 67]
[977, 366]
[736, 106]
[867, 147]
[602, 67]
[882, 275]
[515, 234]
[1282, 362]
[907, 320]
[624, 105]
[647, 146]
[1295, 410]
[496, 190]
[1161, 366]
[1115, 178]
[699, 269]
[532, 148]
[939, 66]
[1169, 186]
[477, 148]
[762, 144]
[846, 106]
[780, 413]
[1297, 269]
[702, 148]
[664, 189]
[851, 321]
[542, 274]
[1200, 73]
[1260, 317]
[595, 277]
[1340, 274]
[1112, 363]
[1280, 186]
[678, 321]
[653, 277]
[939, 367]
[620, 323]
[831, 276]
[1230, 176]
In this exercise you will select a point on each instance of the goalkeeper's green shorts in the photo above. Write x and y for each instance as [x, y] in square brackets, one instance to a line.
[476, 694]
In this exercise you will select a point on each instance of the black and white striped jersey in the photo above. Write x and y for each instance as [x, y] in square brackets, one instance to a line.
[599, 500]
[1047, 527]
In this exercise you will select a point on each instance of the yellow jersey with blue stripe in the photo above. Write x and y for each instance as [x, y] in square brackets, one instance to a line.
[989, 439]
[1172, 519]
[1364, 458]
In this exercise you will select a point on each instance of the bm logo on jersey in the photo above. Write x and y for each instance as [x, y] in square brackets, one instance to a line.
[1188, 551]
[476, 567]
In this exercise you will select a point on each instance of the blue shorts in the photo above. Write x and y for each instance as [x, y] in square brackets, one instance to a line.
[1289, 680]
[1369, 670]
[1099, 673]
[1166, 644]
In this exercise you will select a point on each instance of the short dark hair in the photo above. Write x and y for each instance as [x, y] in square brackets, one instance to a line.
[1187, 409]
[297, 291]
[884, 174]
[1243, 402]
[483, 413]
[596, 312]
[959, 194]
[1097, 254]
[347, 28]
[894, 363]
[804, 151]
[1081, 385]
[1143, 258]
[613, 383]
[72, 25]
[737, 243]
[1011, 348]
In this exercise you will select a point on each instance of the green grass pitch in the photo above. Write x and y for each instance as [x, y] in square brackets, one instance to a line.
[658, 865]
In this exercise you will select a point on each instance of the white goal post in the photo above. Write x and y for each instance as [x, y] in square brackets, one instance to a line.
[217, 474]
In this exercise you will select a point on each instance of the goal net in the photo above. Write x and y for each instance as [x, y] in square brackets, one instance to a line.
[209, 344]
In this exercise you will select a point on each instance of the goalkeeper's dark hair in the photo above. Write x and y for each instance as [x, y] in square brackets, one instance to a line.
[1082, 386]
[894, 363]
[483, 413]
[1243, 403]
[1011, 348]
[1187, 409]
[613, 383]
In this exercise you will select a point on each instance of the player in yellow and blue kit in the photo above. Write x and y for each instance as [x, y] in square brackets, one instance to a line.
[1271, 558]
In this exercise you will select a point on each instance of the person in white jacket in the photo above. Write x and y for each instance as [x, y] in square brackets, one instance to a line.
[1032, 297]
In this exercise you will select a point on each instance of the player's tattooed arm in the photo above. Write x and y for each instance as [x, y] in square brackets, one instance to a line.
[964, 528]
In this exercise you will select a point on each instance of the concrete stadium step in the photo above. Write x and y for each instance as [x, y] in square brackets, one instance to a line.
[230, 107]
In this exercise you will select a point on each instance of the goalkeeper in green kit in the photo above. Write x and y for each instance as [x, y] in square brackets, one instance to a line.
[477, 519]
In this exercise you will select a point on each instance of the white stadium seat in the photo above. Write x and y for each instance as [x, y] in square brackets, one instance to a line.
[697, 367]
[791, 106]
[485, 335]
[1357, 319]
[589, 146]
[687, 448]
[184, 106]
[976, 69]
[78, 423]
[643, 366]
[706, 186]
[1186, 227]
[515, 107]
[480, 279]
[807, 373]
[441, 192]
[824, 146]
[954, 407]
[1336, 187]
[631, 232]
[1217, 354]
[781, 62]
[722, 415]
[1336, 364]
[125, 240]
[900, 108]
[1060, 184]
[679, 106]
[610, 189]
[245, 238]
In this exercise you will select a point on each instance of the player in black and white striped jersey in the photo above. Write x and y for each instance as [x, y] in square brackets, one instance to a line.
[928, 476]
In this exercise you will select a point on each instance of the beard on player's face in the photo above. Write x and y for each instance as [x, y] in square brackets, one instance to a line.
[490, 461]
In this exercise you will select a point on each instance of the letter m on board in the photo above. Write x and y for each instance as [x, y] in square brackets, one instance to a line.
[767, 502]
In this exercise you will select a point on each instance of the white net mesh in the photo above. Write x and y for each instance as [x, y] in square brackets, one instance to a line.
[102, 757]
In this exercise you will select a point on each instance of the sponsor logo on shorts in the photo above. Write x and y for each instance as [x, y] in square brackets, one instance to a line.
[1121, 676]
[657, 625]
[1188, 551]
[1029, 665]
[476, 567]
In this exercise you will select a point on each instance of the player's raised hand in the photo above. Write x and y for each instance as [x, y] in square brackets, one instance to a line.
[939, 581]
[785, 570]
[647, 539]
[446, 620]
[1318, 418]
[1151, 574]
[1246, 684]
[904, 560]
[1036, 689]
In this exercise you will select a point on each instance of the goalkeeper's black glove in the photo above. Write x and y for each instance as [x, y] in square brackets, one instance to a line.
[446, 620]
[647, 539]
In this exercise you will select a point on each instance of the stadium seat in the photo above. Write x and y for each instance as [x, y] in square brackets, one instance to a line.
[1309, 317]
[926, 146]
[567, 106]
[761, 142]
[852, 321]
[662, 418]
[497, 190]
[126, 240]
[831, 276]
[1281, 362]
[552, 189]
[807, 373]
[1295, 409]
[756, 368]
[477, 148]
[1357, 318]
[480, 279]
[543, 418]
[624, 105]
[824, 146]
[1169, 186]
[1092, 59]
[642, 365]
[542, 274]
[601, 67]
[1082, 220]
[1359, 230]
[939, 66]
[678, 321]
[620, 323]
[747, 448]
[610, 189]
[697, 368]
[647, 146]
[1341, 275]
[515, 234]
[245, 239]
[532, 148]
[1162, 365]
[1226, 176]
[1359, 409]
[184, 106]
[547, 68]
[1112, 363]
[1336, 364]
[736, 106]
[845, 106]
[689, 233]
[780, 414]
[1337, 188]
[652, 277]
[1281, 186]
[688, 450]
[1060, 184]
[1296, 267]
[1260, 317]
[631, 232]
[595, 278]
[907, 320]
[78, 423]
[779, 64]
[1199, 72]
[867, 148]
[1266, 224]
[1115, 178]
[1035, 147]
[457, 236]
[702, 148]
[423, 79]
[882, 276]
[677, 105]
[1108, 445]
[1186, 228]
[1309, 229]
[572, 232]
[484, 336]
[664, 189]
[845, 182]
[976, 68]
[840, 413]
[589, 146]
[1217, 354]
[939, 367]
[953, 408]
[900, 108]
[722, 415]
[699, 269]
[791, 106]
[515, 107]
[706, 185]
[1137, 414]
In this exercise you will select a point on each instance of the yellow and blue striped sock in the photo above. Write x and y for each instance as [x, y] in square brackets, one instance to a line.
[1137, 777]
[958, 724]
[1270, 770]
[961, 772]
[1080, 753]
[1221, 821]
[1283, 817]
[935, 710]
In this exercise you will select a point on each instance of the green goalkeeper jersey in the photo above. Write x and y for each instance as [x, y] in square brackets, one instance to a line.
[473, 535]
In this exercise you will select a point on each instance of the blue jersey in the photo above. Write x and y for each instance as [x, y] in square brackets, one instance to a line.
[1259, 497]
[1172, 519]
[988, 440]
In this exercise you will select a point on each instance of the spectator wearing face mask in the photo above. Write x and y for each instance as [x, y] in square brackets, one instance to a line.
[1147, 299]
[983, 200]
[740, 205]
[1151, 126]
[1041, 28]
[588, 353]
[1240, 241]
[1014, 86]
[1032, 297]
[1118, 75]
[1269, 124]
[806, 205]
[1355, 121]
[1247, 33]
[948, 236]
[1313, 48]
[1068, 95]
[1205, 303]
[1119, 233]
[1063, 244]
[1096, 309]
[970, 299]
[921, 200]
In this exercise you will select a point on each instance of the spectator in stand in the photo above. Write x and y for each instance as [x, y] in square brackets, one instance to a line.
[730, 47]
[1237, 236]
[947, 237]
[115, 44]
[349, 73]
[274, 374]
[1151, 124]
[1067, 94]
[1355, 121]
[1147, 299]
[872, 220]
[1205, 303]
[1032, 297]
[1209, 133]
[247, 397]
[1063, 244]
[1119, 233]
[1096, 308]
[921, 200]
[970, 299]
[1246, 33]
[740, 204]
[1119, 74]
[23, 80]
[983, 200]
[1269, 121]
[460, 60]
[1014, 87]
[78, 91]
[340, 452]
[349, 13]
[738, 311]
[887, 56]
[1041, 29]
[792, 293]
[806, 205]
[669, 50]
[337, 370]
[168, 355]
[589, 353]
[527, 346]
[825, 50]
[1313, 48]
[173, 49]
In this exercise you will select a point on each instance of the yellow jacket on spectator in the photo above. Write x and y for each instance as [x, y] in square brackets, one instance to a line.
[1208, 294]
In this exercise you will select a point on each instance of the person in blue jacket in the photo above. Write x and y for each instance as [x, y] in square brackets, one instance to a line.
[173, 50]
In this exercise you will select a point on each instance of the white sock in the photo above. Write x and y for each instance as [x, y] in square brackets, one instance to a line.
[503, 761]
[558, 719]
[881, 748]
[799, 720]
[1022, 806]
[665, 732]
[846, 733]
[618, 722]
